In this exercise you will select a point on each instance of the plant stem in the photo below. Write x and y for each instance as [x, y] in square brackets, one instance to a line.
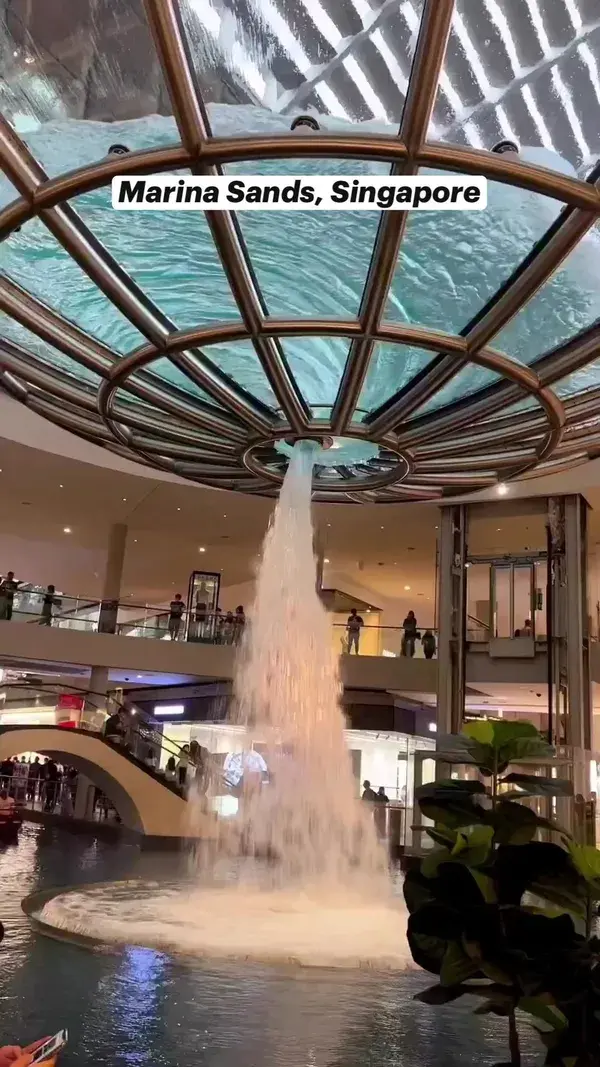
[513, 1040]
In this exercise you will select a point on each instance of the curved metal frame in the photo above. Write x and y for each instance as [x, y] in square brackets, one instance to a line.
[221, 441]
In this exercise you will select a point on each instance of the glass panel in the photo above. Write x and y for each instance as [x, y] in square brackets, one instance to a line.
[478, 602]
[92, 60]
[567, 303]
[338, 60]
[585, 378]
[239, 360]
[452, 262]
[540, 572]
[490, 48]
[317, 364]
[392, 367]
[47, 354]
[502, 619]
[40, 264]
[310, 263]
[522, 599]
[170, 254]
[163, 368]
[468, 381]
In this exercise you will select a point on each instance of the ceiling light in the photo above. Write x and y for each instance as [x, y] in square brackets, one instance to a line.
[329, 524]
[179, 509]
[201, 550]
[61, 487]
[498, 529]
[407, 587]
[124, 499]
[325, 560]
[433, 727]
[502, 489]
[382, 527]
[224, 516]
[135, 540]
[140, 675]
[66, 529]
[437, 527]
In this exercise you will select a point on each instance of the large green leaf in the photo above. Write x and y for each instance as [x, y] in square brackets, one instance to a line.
[439, 994]
[473, 847]
[482, 731]
[451, 785]
[515, 824]
[534, 785]
[544, 1011]
[451, 807]
[457, 966]
[587, 861]
[505, 731]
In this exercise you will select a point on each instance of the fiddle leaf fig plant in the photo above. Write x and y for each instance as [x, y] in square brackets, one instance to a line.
[497, 913]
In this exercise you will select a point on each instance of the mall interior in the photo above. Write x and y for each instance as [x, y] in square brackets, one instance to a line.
[288, 499]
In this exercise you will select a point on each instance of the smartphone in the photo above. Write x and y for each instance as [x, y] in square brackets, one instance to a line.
[51, 1047]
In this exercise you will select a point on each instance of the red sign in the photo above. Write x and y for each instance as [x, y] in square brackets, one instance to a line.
[70, 702]
[67, 724]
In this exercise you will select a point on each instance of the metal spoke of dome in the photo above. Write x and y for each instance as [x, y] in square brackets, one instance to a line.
[418, 107]
[192, 122]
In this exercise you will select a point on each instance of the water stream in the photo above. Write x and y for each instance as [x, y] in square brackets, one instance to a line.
[301, 878]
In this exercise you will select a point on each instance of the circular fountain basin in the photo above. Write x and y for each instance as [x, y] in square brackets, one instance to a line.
[282, 928]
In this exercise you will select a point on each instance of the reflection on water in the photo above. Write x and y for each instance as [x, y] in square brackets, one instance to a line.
[140, 1007]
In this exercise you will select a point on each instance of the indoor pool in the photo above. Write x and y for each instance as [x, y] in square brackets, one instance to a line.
[140, 1007]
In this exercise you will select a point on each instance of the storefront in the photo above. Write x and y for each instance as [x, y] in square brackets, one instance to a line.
[385, 759]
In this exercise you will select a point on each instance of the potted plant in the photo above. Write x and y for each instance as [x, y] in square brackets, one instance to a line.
[501, 915]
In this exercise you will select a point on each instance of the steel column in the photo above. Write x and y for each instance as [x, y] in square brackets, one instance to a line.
[452, 616]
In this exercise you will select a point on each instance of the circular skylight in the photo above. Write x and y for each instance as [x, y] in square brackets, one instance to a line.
[442, 351]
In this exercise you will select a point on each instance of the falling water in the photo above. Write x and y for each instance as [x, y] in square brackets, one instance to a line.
[307, 818]
[309, 882]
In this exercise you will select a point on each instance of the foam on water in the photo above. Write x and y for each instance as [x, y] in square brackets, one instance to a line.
[322, 896]
[280, 927]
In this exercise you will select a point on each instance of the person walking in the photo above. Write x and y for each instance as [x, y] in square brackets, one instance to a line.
[353, 628]
[176, 609]
[240, 622]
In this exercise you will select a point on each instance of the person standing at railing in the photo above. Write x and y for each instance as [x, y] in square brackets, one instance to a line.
[8, 588]
[240, 622]
[33, 777]
[353, 628]
[182, 766]
[176, 609]
[48, 603]
[410, 635]
[428, 642]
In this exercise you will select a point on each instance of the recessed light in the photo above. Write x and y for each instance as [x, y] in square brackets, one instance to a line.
[61, 487]
[407, 587]
[437, 527]
[502, 489]
[66, 529]
[325, 560]
[382, 527]
[201, 550]
[140, 675]
[498, 529]
[224, 516]
[329, 524]
[179, 509]
[124, 499]
[135, 540]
